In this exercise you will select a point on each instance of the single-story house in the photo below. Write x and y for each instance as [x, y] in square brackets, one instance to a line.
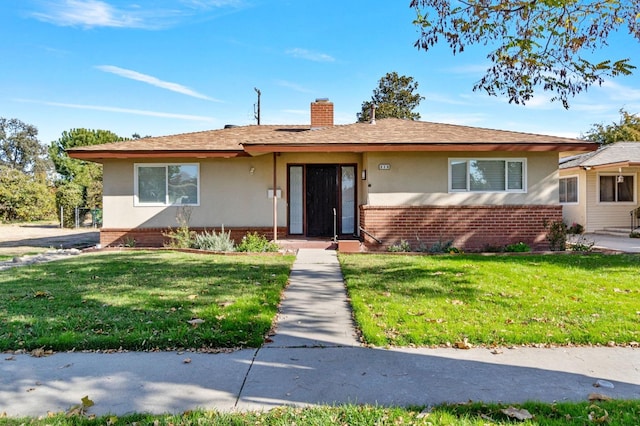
[599, 190]
[380, 182]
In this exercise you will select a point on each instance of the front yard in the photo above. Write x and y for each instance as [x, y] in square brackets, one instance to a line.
[495, 300]
[141, 300]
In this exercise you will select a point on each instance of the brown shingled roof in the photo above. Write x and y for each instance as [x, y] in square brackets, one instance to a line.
[386, 135]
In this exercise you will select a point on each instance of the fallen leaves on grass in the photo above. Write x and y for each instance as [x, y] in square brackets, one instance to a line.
[598, 397]
[517, 413]
[464, 344]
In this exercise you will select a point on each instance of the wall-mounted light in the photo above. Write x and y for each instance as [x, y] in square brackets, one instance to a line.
[364, 174]
[252, 170]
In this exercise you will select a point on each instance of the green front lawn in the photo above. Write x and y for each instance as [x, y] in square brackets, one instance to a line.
[495, 300]
[621, 413]
[141, 300]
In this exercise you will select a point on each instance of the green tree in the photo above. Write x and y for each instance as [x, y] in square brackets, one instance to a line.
[86, 175]
[546, 44]
[395, 96]
[24, 197]
[627, 129]
[20, 148]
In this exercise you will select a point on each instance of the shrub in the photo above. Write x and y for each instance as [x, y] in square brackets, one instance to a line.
[442, 247]
[634, 234]
[402, 246]
[575, 228]
[182, 237]
[214, 242]
[69, 196]
[517, 248]
[254, 242]
[557, 235]
[24, 197]
[582, 244]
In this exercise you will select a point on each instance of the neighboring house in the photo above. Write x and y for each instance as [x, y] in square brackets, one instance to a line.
[599, 190]
[380, 182]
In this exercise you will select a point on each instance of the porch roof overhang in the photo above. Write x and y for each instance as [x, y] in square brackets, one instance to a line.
[617, 164]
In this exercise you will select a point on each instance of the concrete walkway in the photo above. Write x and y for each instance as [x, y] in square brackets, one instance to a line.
[314, 358]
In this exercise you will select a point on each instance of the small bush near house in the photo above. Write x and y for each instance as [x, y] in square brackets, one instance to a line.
[183, 236]
[575, 229]
[634, 234]
[401, 247]
[214, 242]
[256, 243]
[582, 244]
[443, 247]
[517, 248]
[557, 235]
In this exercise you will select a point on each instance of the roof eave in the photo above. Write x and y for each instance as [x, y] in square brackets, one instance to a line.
[420, 147]
[95, 155]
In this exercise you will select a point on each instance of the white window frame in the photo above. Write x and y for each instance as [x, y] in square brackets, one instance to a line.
[577, 178]
[136, 198]
[619, 203]
[523, 161]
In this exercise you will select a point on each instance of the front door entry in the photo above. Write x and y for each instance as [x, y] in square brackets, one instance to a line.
[321, 199]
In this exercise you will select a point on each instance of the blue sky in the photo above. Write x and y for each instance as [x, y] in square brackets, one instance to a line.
[159, 67]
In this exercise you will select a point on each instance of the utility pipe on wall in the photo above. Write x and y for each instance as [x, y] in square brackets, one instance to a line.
[275, 200]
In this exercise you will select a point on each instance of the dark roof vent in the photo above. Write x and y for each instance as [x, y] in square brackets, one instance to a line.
[230, 126]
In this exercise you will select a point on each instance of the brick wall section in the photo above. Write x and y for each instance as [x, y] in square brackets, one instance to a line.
[153, 237]
[472, 228]
[321, 114]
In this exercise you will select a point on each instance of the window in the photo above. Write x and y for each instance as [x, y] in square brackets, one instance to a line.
[487, 175]
[617, 188]
[167, 184]
[569, 189]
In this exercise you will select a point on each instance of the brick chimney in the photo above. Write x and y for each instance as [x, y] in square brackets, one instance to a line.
[321, 113]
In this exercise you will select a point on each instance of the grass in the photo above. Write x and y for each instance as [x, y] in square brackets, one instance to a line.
[141, 300]
[622, 413]
[495, 300]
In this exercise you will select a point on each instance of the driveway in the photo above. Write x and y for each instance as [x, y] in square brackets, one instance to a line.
[27, 238]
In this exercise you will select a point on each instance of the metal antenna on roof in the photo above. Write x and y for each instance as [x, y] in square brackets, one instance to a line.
[256, 107]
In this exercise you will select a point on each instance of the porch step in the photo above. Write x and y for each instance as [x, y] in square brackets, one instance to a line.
[618, 231]
[298, 243]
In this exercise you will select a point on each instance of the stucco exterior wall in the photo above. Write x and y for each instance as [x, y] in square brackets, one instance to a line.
[421, 179]
[233, 192]
[229, 195]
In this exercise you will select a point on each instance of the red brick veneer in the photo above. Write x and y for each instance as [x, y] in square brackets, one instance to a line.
[472, 228]
[153, 237]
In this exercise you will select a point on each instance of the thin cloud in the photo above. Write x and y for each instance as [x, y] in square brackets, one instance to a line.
[89, 14]
[142, 15]
[122, 110]
[310, 55]
[619, 92]
[293, 86]
[154, 81]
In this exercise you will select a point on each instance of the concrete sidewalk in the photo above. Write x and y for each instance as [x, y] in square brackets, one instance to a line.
[314, 358]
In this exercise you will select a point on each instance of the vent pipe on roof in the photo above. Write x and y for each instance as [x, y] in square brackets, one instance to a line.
[373, 114]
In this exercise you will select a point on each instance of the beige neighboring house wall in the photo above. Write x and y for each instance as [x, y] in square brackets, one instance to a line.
[422, 179]
[602, 215]
[576, 212]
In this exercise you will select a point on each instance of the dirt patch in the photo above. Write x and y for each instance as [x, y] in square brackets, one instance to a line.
[28, 238]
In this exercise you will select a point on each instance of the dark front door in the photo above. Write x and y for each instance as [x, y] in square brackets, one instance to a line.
[321, 199]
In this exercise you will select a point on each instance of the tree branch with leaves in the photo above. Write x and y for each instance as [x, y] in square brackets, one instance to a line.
[547, 44]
